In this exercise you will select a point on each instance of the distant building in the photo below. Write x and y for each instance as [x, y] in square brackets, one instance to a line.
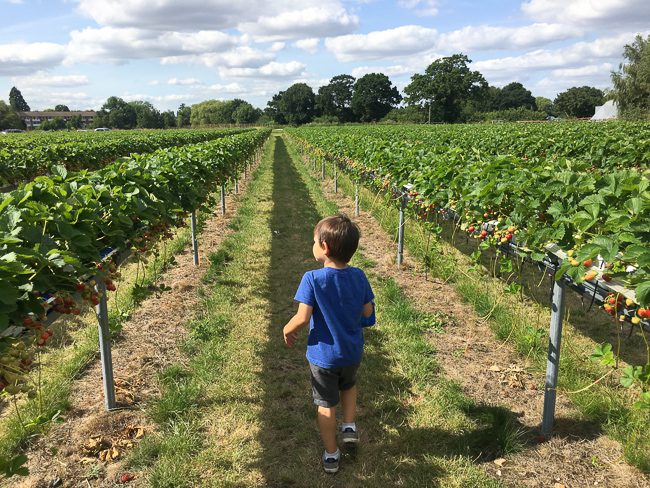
[33, 119]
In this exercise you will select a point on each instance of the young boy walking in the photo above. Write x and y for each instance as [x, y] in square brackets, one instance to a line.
[337, 302]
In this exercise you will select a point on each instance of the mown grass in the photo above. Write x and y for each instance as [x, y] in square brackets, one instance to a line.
[75, 346]
[241, 413]
[524, 324]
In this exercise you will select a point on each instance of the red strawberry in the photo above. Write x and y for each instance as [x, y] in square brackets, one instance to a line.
[587, 262]
[484, 233]
[607, 278]
[471, 229]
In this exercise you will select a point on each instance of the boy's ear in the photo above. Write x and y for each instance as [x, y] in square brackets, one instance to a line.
[325, 248]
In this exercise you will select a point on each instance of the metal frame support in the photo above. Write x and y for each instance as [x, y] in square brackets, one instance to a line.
[553, 358]
[322, 170]
[336, 177]
[356, 199]
[400, 232]
[101, 310]
[195, 243]
[223, 199]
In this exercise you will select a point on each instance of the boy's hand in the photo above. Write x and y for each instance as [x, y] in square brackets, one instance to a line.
[289, 337]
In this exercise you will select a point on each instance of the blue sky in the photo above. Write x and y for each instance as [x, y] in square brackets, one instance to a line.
[168, 52]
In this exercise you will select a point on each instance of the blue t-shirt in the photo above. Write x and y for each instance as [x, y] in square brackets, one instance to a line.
[335, 329]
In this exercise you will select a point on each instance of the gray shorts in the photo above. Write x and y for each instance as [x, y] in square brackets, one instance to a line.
[327, 382]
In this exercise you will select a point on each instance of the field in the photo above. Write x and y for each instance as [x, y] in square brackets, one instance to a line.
[452, 384]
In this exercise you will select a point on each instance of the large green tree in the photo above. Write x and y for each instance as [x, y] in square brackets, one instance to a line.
[146, 115]
[273, 111]
[545, 105]
[61, 108]
[214, 112]
[183, 116]
[117, 114]
[579, 101]
[632, 82]
[446, 86]
[335, 98]
[246, 114]
[374, 97]
[9, 119]
[514, 95]
[297, 104]
[17, 101]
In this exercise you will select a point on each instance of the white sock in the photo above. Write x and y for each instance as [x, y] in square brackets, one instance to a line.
[334, 455]
[351, 425]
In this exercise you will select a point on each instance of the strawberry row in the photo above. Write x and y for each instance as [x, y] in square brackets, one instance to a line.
[598, 214]
[55, 230]
[26, 156]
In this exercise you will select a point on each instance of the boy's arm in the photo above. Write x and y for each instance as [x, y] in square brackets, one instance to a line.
[368, 315]
[297, 322]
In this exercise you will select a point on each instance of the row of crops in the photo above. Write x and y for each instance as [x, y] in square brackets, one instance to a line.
[24, 156]
[584, 187]
[55, 230]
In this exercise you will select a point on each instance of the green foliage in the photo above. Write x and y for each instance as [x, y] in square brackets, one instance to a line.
[297, 104]
[509, 115]
[632, 80]
[61, 108]
[35, 153]
[335, 98]
[116, 114]
[603, 354]
[579, 101]
[545, 105]
[16, 100]
[183, 116]
[50, 233]
[146, 115]
[446, 85]
[57, 123]
[9, 119]
[411, 114]
[374, 97]
[14, 466]
[246, 114]
[514, 95]
[219, 112]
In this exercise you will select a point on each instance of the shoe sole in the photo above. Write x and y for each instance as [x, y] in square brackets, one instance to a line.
[331, 470]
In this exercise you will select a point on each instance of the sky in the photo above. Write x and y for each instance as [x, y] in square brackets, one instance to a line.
[168, 52]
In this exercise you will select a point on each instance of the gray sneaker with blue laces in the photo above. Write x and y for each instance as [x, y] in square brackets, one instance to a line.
[330, 464]
[350, 436]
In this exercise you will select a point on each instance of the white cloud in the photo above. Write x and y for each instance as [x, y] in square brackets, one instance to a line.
[16, 2]
[302, 23]
[119, 44]
[394, 70]
[606, 13]
[229, 88]
[40, 99]
[270, 70]
[484, 37]
[184, 81]
[601, 70]
[43, 79]
[309, 45]
[22, 58]
[390, 43]
[239, 57]
[421, 7]
[574, 56]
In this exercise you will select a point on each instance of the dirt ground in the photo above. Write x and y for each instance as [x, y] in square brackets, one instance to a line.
[68, 456]
[491, 372]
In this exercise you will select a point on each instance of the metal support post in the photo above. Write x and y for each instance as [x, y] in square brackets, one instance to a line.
[195, 243]
[236, 185]
[223, 199]
[322, 170]
[101, 310]
[336, 178]
[553, 358]
[356, 199]
[400, 232]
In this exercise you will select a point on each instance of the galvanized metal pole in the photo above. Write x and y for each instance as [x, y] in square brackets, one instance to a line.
[553, 358]
[356, 199]
[336, 178]
[101, 310]
[322, 170]
[195, 243]
[223, 199]
[400, 232]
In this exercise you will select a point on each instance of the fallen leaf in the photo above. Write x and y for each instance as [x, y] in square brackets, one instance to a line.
[495, 368]
[559, 485]
[500, 462]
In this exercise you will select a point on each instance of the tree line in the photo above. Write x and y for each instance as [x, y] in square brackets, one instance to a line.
[447, 91]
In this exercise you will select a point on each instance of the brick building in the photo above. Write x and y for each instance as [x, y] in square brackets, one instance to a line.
[33, 119]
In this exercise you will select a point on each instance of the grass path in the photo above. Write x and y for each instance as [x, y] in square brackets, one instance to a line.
[241, 413]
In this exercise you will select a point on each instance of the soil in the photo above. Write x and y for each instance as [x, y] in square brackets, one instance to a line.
[578, 455]
[68, 455]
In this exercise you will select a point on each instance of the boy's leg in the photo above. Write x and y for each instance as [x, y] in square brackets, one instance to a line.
[349, 401]
[327, 426]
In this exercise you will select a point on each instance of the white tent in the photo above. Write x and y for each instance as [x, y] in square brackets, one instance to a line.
[607, 111]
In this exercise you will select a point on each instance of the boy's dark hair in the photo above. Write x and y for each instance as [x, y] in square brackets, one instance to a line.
[341, 234]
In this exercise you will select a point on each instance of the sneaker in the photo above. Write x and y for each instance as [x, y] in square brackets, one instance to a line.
[349, 436]
[330, 464]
